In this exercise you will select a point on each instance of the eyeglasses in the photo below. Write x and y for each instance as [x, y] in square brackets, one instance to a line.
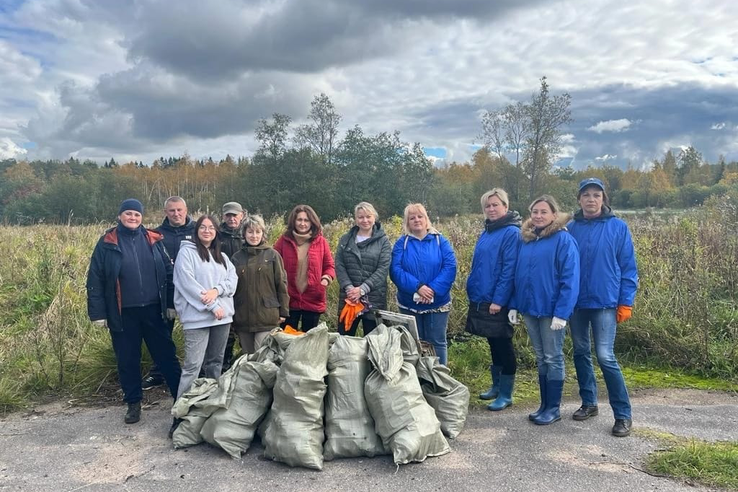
[207, 228]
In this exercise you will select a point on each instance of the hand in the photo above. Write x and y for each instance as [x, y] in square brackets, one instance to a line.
[494, 308]
[325, 281]
[426, 293]
[281, 320]
[209, 296]
[354, 294]
[558, 323]
[512, 316]
[219, 313]
[102, 323]
[171, 313]
[623, 314]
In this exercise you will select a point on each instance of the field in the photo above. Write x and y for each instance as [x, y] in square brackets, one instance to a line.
[685, 317]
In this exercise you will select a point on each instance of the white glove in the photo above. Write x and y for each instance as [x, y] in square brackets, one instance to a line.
[171, 313]
[102, 323]
[512, 316]
[558, 323]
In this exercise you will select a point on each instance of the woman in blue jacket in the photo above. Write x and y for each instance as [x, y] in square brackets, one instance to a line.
[608, 287]
[546, 289]
[424, 268]
[130, 291]
[490, 287]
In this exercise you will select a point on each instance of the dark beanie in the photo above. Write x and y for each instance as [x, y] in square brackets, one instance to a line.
[131, 204]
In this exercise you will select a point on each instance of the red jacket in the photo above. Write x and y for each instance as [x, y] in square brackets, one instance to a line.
[320, 262]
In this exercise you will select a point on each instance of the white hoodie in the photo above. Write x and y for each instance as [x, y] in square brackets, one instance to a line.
[192, 277]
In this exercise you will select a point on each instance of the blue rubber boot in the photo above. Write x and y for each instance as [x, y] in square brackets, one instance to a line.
[493, 390]
[544, 392]
[504, 399]
[553, 398]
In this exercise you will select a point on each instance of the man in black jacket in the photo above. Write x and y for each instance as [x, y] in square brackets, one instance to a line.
[231, 242]
[177, 227]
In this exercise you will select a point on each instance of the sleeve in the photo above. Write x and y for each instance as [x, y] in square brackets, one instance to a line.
[329, 268]
[186, 283]
[280, 284]
[405, 281]
[96, 285]
[341, 274]
[379, 276]
[567, 267]
[169, 271]
[443, 282]
[509, 260]
[227, 286]
[628, 270]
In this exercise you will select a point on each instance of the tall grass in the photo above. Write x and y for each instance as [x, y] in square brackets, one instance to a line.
[686, 312]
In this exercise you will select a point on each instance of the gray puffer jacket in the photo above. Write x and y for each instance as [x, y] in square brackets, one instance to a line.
[364, 265]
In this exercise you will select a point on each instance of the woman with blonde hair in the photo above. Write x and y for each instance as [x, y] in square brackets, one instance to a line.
[424, 269]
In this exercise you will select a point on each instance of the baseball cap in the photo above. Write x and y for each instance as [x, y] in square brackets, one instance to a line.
[589, 182]
[232, 208]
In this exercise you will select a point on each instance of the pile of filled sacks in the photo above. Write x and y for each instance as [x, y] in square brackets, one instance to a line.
[319, 396]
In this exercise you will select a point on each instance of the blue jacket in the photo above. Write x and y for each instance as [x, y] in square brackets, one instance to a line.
[493, 265]
[607, 257]
[547, 274]
[173, 236]
[430, 261]
[103, 287]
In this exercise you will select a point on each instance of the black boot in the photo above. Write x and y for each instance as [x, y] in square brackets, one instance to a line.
[175, 424]
[133, 414]
[542, 385]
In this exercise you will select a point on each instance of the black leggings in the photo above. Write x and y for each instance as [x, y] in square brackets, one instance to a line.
[503, 354]
[368, 324]
[310, 320]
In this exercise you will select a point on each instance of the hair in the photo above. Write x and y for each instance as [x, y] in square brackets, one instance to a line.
[315, 226]
[174, 198]
[548, 199]
[605, 198]
[214, 248]
[414, 207]
[253, 222]
[368, 207]
[499, 193]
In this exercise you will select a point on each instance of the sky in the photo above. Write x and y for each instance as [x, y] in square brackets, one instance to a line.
[139, 79]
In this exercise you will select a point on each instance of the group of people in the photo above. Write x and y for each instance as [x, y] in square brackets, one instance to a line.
[554, 270]
[225, 282]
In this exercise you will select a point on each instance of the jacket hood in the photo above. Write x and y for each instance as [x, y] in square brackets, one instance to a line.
[227, 231]
[167, 225]
[187, 244]
[510, 218]
[377, 231]
[606, 214]
[261, 246]
[111, 235]
[529, 230]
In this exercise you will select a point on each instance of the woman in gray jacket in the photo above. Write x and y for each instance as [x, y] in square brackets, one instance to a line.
[362, 264]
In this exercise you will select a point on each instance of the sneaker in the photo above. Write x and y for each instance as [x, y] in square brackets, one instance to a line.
[622, 427]
[585, 412]
[151, 381]
[133, 414]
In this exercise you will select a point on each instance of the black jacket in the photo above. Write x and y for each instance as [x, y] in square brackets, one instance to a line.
[173, 236]
[231, 240]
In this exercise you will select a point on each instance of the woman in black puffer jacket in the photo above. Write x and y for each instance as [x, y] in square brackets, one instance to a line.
[362, 264]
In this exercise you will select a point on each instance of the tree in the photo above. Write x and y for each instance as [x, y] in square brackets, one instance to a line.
[506, 131]
[272, 136]
[322, 133]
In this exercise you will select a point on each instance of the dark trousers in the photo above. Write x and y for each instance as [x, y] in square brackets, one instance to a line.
[154, 371]
[228, 354]
[144, 324]
[310, 319]
[368, 325]
[503, 354]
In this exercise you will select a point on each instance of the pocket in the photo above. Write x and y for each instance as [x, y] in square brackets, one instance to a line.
[271, 302]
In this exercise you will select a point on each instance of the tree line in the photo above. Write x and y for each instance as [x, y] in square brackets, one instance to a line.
[310, 163]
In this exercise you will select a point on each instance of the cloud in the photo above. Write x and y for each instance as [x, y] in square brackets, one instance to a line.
[620, 125]
[9, 150]
[717, 126]
[606, 157]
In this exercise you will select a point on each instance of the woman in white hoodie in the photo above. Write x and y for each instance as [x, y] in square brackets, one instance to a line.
[204, 283]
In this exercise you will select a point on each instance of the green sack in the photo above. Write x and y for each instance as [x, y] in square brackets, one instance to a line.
[448, 397]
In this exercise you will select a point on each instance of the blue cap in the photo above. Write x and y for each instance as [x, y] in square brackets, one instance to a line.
[131, 204]
[590, 182]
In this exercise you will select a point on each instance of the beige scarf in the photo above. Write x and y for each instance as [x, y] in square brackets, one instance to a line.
[303, 245]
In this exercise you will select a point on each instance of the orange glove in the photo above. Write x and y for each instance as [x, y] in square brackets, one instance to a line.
[291, 331]
[623, 314]
[349, 313]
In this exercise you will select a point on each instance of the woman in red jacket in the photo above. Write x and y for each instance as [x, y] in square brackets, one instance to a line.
[309, 266]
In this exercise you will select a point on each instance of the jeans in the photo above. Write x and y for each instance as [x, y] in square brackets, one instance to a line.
[203, 348]
[604, 328]
[432, 329]
[548, 345]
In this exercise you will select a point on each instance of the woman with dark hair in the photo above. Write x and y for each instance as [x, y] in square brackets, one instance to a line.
[607, 291]
[204, 284]
[490, 288]
[129, 291]
[309, 266]
[546, 288]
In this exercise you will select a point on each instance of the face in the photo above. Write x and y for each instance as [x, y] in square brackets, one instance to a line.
[365, 220]
[417, 222]
[494, 209]
[130, 219]
[591, 201]
[233, 220]
[302, 223]
[253, 236]
[206, 232]
[542, 215]
[176, 213]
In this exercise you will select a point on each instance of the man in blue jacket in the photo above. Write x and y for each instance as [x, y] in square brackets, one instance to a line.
[608, 284]
[177, 227]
